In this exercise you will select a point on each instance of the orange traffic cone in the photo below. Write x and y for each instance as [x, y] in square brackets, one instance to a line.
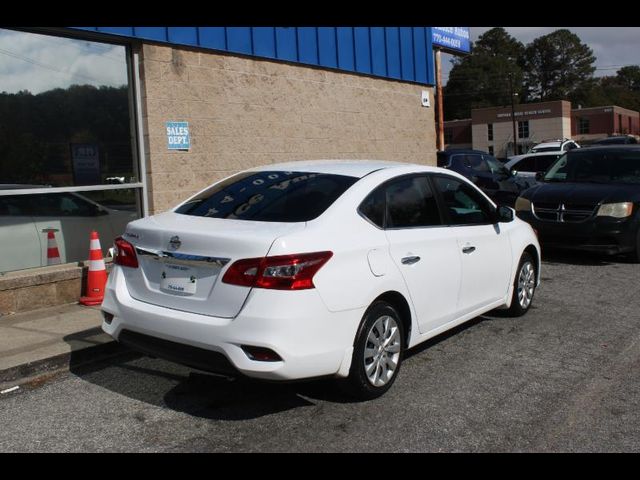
[97, 277]
[53, 254]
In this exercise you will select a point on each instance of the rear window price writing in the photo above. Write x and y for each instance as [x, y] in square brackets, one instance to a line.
[258, 197]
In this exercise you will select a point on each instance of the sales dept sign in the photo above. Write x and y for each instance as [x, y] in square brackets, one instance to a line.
[178, 136]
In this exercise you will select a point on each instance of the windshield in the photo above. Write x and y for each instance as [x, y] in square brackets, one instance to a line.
[272, 196]
[495, 166]
[596, 167]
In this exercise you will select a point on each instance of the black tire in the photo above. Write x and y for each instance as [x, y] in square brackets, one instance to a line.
[517, 309]
[358, 384]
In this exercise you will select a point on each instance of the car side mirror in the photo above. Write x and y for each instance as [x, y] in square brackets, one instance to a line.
[504, 214]
[514, 173]
[540, 176]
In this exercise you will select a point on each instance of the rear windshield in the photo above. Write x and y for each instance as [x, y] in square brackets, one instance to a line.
[271, 196]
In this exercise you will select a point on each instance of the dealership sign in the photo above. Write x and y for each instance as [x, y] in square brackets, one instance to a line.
[178, 137]
[85, 160]
[454, 39]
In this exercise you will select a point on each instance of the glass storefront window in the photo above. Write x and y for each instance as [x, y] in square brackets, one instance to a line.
[25, 222]
[64, 111]
[65, 121]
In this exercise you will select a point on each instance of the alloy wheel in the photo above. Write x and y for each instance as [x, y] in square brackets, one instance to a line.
[382, 351]
[526, 284]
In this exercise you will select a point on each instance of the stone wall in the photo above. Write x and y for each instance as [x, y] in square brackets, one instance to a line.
[246, 112]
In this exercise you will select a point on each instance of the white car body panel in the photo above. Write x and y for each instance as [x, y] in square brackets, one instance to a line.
[21, 243]
[314, 330]
[225, 239]
[434, 297]
[485, 271]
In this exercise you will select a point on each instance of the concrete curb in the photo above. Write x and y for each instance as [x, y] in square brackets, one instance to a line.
[59, 363]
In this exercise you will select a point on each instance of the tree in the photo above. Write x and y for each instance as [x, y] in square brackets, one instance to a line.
[498, 43]
[556, 66]
[481, 79]
[629, 78]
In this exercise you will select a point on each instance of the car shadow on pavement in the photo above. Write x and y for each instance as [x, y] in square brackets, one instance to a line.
[420, 348]
[571, 257]
[165, 384]
[200, 394]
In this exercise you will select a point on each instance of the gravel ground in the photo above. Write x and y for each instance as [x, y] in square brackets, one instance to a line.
[563, 379]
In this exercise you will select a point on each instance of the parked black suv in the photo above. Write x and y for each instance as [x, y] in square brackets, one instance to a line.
[589, 199]
[490, 175]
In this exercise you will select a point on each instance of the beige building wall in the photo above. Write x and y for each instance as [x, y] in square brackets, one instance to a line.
[549, 128]
[245, 112]
[541, 129]
[479, 137]
[502, 135]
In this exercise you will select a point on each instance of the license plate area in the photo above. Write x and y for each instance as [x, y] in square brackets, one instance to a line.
[178, 279]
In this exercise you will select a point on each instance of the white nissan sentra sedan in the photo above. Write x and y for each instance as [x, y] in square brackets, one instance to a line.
[317, 268]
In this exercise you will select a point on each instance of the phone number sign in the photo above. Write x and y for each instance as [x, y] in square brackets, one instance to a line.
[455, 39]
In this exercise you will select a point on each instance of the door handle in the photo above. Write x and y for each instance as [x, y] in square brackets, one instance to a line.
[410, 260]
[468, 249]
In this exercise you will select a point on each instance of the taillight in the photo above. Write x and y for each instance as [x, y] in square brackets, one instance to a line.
[125, 253]
[283, 272]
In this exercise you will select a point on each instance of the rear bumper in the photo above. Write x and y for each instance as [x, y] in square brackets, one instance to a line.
[311, 340]
[601, 235]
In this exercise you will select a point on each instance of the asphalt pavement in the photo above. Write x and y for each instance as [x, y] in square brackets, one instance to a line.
[564, 378]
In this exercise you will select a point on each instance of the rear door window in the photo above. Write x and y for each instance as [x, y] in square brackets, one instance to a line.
[527, 164]
[411, 203]
[373, 207]
[15, 206]
[270, 196]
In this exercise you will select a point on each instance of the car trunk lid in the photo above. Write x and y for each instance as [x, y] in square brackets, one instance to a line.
[182, 259]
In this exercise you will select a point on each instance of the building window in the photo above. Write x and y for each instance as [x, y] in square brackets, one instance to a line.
[67, 156]
[583, 125]
[490, 132]
[448, 136]
[523, 129]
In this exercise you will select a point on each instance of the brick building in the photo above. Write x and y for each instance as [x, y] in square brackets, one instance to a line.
[491, 129]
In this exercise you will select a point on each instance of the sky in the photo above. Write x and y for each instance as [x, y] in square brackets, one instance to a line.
[38, 63]
[613, 47]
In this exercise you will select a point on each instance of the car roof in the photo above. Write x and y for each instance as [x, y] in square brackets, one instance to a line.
[350, 168]
[613, 139]
[610, 148]
[548, 144]
[17, 186]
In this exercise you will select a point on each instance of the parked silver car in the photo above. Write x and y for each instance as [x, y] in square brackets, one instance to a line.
[25, 220]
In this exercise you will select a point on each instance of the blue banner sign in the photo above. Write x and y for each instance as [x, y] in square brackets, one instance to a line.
[178, 136]
[455, 39]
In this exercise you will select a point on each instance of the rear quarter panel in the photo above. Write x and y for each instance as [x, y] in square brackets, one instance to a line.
[347, 281]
